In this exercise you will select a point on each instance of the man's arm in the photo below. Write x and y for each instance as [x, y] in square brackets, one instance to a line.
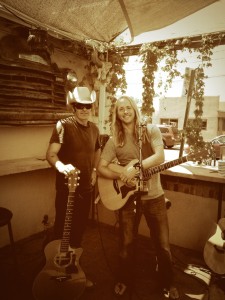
[53, 159]
[97, 158]
[94, 171]
[52, 153]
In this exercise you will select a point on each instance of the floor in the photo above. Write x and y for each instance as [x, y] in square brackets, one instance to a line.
[99, 261]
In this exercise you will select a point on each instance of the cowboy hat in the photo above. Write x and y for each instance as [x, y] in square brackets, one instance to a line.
[81, 95]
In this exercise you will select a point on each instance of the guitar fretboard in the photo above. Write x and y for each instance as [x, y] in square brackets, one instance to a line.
[157, 169]
[65, 242]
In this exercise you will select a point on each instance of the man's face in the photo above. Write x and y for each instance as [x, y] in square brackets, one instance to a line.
[83, 111]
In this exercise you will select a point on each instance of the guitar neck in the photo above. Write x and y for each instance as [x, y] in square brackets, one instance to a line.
[65, 242]
[157, 169]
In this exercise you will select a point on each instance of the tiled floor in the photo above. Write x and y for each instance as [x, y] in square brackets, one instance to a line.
[99, 261]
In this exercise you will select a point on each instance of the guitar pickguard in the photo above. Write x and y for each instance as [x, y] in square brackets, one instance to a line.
[123, 189]
[64, 259]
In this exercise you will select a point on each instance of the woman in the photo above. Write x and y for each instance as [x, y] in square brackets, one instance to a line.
[124, 146]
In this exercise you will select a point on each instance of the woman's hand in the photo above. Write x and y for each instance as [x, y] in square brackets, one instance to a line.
[128, 174]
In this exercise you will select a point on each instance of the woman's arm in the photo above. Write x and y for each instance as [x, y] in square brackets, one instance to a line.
[155, 159]
[105, 171]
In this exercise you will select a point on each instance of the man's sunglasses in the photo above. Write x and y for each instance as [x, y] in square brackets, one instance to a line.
[82, 106]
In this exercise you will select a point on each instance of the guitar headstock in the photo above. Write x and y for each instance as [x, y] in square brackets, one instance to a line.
[73, 180]
[199, 155]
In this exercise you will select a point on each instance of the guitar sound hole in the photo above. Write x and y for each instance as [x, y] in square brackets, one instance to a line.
[63, 259]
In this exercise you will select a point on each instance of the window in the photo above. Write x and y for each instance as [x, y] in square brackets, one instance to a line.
[172, 122]
[204, 123]
[223, 124]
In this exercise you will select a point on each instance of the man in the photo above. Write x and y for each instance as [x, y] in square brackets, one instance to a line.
[124, 147]
[75, 144]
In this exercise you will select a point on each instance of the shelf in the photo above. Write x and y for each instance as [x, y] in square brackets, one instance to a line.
[15, 166]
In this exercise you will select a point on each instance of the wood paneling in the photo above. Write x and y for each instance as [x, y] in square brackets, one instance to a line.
[31, 93]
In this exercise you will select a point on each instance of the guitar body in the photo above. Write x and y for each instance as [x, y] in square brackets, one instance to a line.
[62, 277]
[214, 252]
[114, 193]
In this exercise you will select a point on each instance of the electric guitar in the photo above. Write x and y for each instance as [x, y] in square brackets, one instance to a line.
[214, 250]
[114, 193]
[62, 276]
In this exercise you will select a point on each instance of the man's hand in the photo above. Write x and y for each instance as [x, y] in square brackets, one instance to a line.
[93, 177]
[65, 169]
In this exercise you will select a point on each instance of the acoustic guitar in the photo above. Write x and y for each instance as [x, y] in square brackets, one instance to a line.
[214, 250]
[114, 193]
[62, 276]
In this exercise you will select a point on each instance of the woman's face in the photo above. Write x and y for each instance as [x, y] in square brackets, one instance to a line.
[125, 111]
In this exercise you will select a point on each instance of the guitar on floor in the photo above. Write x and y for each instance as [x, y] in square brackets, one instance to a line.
[62, 276]
[214, 250]
[114, 193]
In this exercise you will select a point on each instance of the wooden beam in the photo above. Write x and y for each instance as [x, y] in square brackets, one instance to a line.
[192, 43]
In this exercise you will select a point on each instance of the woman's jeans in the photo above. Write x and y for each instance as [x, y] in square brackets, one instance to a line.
[155, 214]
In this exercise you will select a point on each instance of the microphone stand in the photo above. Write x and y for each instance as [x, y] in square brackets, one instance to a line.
[140, 184]
[142, 188]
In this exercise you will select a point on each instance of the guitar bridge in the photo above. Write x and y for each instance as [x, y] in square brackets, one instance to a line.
[60, 278]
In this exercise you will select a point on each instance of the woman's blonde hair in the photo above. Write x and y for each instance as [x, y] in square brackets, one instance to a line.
[118, 132]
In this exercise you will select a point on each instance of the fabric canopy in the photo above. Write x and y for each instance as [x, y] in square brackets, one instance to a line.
[101, 20]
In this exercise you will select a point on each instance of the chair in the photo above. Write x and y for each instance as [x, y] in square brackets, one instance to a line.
[5, 219]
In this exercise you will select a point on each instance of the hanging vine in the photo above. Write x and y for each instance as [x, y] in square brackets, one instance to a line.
[155, 57]
[107, 68]
[163, 58]
[193, 130]
[152, 56]
[149, 68]
[117, 80]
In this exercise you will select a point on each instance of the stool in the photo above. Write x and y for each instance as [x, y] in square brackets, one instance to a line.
[5, 219]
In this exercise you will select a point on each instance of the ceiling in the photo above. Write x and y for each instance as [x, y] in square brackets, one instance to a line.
[100, 20]
[207, 20]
